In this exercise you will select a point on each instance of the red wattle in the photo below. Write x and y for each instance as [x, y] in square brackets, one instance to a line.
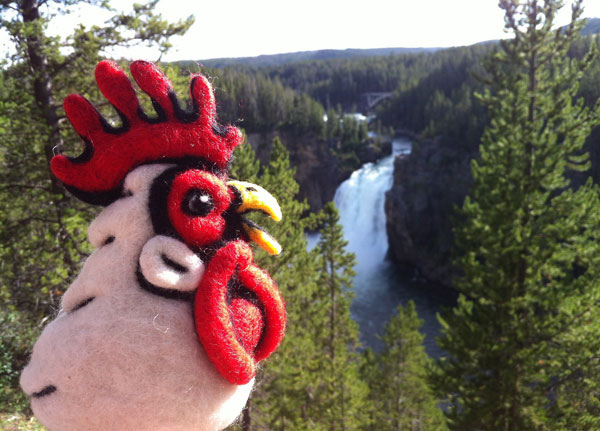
[237, 334]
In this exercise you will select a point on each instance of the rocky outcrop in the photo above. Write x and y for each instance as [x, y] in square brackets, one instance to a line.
[318, 171]
[428, 185]
[420, 207]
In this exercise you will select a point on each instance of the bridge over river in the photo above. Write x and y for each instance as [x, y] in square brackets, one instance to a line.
[372, 99]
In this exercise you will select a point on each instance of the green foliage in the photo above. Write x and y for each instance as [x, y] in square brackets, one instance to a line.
[397, 377]
[520, 342]
[343, 81]
[340, 398]
[441, 101]
[350, 134]
[141, 26]
[15, 343]
[17, 422]
[414, 79]
[261, 104]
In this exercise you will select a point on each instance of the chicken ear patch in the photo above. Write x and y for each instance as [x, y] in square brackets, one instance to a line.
[239, 314]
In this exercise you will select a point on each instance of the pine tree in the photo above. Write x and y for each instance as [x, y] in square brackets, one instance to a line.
[332, 127]
[340, 397]
[397, 377]
[523, 341]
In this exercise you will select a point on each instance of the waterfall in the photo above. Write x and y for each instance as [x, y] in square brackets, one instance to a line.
[361, 201]
[378, 288]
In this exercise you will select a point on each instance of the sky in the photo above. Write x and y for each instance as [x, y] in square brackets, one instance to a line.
[244, 28]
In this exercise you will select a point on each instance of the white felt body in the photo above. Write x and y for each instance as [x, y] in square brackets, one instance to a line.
[129, 359]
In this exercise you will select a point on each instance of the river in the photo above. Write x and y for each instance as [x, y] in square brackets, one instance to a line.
[379, 288]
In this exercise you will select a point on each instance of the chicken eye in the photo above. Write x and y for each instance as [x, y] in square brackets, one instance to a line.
[197, 203]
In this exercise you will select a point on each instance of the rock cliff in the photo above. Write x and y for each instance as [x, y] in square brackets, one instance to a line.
[428, 185]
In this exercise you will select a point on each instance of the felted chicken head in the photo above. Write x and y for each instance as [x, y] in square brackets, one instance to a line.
[165, 324]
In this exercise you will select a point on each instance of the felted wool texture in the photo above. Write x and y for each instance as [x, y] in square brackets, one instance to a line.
[194, 229]
[230, 342]
[214, 325]
[260, 283]
[160, 272]
[173, 134]
[127, 359]
[248, 322]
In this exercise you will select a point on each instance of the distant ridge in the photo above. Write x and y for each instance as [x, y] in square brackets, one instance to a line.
[323, 54]
[592, 27]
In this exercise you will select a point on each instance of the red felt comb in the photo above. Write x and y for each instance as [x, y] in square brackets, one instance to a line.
[173, 134]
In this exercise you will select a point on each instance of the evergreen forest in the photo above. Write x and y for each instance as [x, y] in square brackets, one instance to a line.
[505, 157]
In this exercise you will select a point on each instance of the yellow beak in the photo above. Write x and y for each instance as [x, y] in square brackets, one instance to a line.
[255, 198]
[261, 237]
